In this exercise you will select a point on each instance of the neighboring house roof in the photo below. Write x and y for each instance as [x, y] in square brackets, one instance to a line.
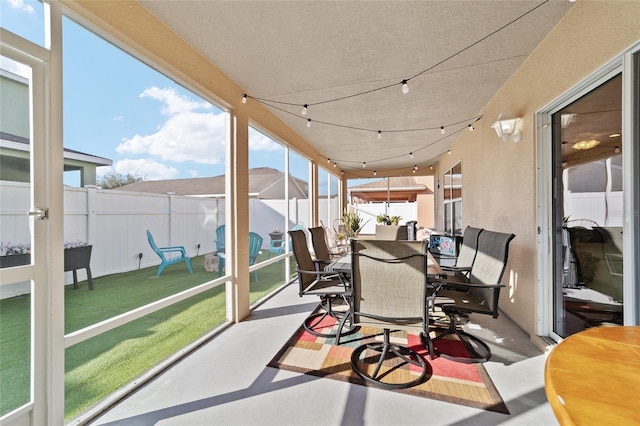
[20, 143]
[395, 189]
[264, 182]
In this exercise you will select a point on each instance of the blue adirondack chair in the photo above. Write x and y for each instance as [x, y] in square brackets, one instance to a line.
[255, 244]
[220, 238]
[166, 261]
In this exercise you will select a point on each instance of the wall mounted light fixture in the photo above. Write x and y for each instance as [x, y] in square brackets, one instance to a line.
[506, 128]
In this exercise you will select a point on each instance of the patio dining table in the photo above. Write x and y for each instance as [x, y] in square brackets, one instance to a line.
[591, 377]
[342, 265]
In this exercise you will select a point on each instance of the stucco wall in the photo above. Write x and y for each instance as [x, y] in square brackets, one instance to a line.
[499, 179]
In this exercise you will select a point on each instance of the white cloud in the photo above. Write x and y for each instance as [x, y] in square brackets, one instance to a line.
[146, 168]
[191, 132]
[187, 135]
[21, 5]
[260, 142]
[174, 102]
[194, 173]
[118, 118]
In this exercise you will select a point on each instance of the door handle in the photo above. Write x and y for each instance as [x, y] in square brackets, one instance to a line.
[42, 214]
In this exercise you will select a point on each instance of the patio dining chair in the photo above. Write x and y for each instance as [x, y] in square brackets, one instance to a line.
[330, 287]
[466, 254]
[459, 296]
[389, 280]
[180, 255]
[320, 247]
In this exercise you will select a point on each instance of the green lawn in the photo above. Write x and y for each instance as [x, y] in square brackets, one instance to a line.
[100, 365]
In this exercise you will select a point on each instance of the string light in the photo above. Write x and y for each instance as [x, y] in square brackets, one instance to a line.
[405, 87]
[442, 130]
[335, 164]
[308, 122]
[411, 155]
[328, 160]
[415, 167]
[375, 173]
[379, 134]
[471, 127]
[244, 98]
[304, 109]
[616, 150]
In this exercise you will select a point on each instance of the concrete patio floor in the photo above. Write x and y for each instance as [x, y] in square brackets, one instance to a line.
[226, 382]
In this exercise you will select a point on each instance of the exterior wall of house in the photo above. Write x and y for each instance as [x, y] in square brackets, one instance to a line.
[426, 212]
[14, 104]
[500, 178]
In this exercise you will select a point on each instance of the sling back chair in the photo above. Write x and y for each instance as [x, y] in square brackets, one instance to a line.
[458, 296]
[389, 280]
[320, 247]
[330, 287]
[467, 253]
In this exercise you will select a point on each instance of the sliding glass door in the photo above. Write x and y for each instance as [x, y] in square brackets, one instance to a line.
[588, 210]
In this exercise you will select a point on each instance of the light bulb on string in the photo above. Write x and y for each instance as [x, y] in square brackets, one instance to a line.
[405, 87]
[375, 173]
[308, 122]
[379, 134]
[364, 164]
[244, 98]
[335, 164]
[304, 109]
[328, 160]
[471, 128]
[411, 155]
[431, 167]
[449, 152]
[442, 130]
[414, 171]
[616, 150]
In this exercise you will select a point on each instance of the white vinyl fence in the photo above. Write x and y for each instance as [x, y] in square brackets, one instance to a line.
[115, 222]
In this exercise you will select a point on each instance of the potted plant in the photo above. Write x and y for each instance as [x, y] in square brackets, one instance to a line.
[383, 219]
[14, 254]
[353, 223]
[276, 235]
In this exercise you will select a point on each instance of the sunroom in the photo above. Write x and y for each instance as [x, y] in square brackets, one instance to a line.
[326, 94]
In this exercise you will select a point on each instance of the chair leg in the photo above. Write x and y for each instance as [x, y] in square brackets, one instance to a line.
[478, 350]
[362, 363]
[312, 321]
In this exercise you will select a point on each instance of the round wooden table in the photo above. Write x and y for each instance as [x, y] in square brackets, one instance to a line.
[593, 377]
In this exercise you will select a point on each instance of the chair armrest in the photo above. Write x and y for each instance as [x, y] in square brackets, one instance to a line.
[172, 248]
[323, 274]
[456, 268]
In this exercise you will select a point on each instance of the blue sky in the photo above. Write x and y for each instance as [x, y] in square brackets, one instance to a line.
[119, 108]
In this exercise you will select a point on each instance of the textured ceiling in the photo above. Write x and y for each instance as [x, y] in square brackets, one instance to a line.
[454, 53]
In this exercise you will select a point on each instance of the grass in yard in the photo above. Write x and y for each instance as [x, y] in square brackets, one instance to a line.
[98, 366]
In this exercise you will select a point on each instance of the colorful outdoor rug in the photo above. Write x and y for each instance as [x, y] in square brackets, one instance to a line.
[464, 384]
